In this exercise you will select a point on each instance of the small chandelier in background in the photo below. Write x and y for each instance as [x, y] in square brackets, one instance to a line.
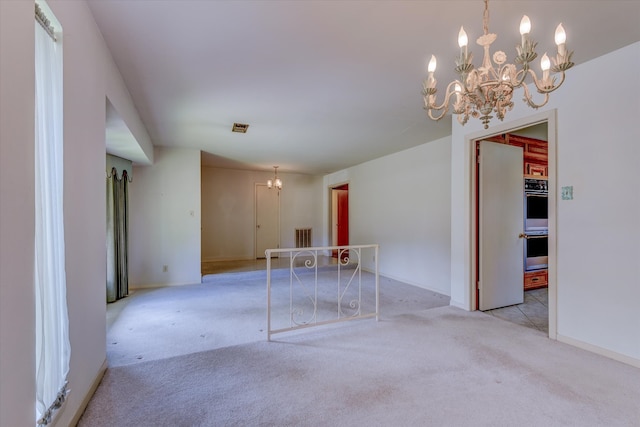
[481, 91]
[275, 182]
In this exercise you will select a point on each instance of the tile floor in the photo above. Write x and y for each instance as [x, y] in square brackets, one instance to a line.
[532, 313]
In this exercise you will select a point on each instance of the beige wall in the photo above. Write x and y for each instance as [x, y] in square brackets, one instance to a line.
[228, 211]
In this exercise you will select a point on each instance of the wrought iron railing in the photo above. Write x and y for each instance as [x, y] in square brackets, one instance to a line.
[313, 293]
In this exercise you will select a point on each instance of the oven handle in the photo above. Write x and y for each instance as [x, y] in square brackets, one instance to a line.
[532, 236]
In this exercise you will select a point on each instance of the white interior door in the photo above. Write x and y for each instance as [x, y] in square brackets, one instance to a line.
[501, 221]
[267, 219]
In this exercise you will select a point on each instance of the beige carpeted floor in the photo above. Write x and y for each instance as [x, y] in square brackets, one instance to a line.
[418, 366]
[227, 309]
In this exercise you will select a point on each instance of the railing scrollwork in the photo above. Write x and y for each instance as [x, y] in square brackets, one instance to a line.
[319, 296]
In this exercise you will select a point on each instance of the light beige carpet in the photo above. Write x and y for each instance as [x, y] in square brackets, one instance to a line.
[226, 310]
[435, 367]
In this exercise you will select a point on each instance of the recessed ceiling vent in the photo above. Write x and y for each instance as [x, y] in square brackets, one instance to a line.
[240, 128]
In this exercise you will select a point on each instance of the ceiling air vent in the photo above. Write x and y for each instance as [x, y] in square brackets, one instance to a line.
[240, 128]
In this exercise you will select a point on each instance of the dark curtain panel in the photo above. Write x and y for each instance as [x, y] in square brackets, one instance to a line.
[117, 236]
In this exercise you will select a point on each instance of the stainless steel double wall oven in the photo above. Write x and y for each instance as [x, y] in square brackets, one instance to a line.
[536, 224]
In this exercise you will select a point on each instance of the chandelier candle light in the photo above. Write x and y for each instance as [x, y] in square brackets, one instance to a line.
[489, 88]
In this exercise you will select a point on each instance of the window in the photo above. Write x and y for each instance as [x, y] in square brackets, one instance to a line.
[52, 323]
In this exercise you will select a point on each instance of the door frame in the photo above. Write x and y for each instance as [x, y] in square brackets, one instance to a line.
[255, 219]
[550, 117]
[333, 208]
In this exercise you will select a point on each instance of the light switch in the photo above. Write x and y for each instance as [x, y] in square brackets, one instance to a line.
[567, 192]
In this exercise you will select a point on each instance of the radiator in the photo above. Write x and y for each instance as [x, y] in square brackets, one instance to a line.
[303, 237]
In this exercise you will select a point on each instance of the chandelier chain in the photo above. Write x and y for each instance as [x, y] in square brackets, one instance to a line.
[485, 17]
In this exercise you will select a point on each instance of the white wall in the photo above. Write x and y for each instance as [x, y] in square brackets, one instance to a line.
[120, 99]
[17, 314]
[88, 67]
[228, 211]
[402, 203]
[164, 219]
[598, 232]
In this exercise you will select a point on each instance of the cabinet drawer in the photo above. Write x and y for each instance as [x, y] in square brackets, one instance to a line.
[536, 279]
[535, 169]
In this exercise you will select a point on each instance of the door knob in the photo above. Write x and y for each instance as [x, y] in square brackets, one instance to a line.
[522, 236]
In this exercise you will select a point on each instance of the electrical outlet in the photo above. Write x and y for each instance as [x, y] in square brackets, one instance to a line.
[567, 192]
[165, 268]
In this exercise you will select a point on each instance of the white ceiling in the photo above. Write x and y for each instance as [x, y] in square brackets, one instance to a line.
[324, 85]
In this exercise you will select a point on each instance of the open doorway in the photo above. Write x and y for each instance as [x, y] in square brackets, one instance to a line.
[340, 218]
[538, 287]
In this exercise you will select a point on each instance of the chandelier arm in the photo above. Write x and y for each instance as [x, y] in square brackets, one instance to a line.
[436, 118]
[540, 84]
[429, 102]
[521, 75]
[444, 107]
[553, 87]
[453, 85]
[528, 98]
[471, 75]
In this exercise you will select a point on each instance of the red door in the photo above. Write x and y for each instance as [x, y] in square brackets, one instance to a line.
[342, 222]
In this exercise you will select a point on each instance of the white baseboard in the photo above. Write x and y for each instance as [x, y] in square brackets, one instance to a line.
[458, 304]
[599, 350]
[163, 285]
[223, 259]
[90, 393]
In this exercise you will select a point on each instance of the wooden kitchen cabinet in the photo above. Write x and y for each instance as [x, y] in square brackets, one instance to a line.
[535, 153]
[536, 279]
[535, 170]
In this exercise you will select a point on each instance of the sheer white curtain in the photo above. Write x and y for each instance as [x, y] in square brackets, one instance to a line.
[52, 323]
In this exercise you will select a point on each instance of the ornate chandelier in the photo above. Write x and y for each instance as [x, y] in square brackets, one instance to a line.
[481, 91]
[275, 182]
